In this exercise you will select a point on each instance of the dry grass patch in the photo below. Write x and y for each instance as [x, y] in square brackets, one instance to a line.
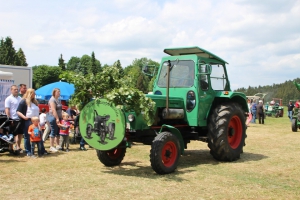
[268, 169]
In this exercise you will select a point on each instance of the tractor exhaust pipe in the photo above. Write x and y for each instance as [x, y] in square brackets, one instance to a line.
[168, 87]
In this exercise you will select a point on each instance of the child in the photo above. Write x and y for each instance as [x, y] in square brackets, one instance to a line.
[77, 131]
[35, 136]
[64, 126]
[43, 118]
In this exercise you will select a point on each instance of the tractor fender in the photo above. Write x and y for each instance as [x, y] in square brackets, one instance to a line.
[175, 132]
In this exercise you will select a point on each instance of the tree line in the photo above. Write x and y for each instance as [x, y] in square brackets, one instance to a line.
[89, 64]
[285, 91]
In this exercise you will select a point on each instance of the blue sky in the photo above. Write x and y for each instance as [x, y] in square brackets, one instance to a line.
[259, 39]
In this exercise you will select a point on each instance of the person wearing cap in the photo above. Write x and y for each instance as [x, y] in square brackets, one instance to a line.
[290, 110]
[260, 109]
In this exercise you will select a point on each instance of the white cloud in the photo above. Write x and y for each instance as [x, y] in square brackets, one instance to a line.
[259, 39]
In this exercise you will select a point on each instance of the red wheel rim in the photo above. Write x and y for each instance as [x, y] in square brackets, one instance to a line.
[115, 153]
[234, 132]
[169, 154]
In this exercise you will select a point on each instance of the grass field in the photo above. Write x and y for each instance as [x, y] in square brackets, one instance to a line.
[268, 169]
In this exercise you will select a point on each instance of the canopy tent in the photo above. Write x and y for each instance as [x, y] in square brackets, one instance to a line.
[45, 92]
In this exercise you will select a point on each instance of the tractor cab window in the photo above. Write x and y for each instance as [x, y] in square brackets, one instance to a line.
[182, 74]
[203, 77]
[218, 77]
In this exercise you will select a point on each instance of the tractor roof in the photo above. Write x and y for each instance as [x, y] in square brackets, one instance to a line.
[192, 50]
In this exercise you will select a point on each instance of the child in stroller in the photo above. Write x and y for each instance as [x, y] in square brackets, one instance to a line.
[6, 134]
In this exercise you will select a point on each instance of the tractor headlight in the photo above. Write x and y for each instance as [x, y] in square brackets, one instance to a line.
[190, 101]
[130, 118]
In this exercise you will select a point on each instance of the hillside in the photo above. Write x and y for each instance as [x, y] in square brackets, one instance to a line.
[286, 91]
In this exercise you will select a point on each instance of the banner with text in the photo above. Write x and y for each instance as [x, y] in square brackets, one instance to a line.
[4, 92]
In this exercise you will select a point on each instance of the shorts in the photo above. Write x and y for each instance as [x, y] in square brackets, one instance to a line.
[16, 128]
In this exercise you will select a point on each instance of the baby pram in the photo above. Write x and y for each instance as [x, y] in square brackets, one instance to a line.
[6, 133]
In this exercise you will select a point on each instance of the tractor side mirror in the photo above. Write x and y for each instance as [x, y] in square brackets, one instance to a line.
[145, 69]
[205, 69]
[149, 70]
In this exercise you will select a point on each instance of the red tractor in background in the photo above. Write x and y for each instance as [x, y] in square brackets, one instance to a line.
[275, 108]
[277, 101]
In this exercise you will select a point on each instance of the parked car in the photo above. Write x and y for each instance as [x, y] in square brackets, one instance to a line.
[44, 104]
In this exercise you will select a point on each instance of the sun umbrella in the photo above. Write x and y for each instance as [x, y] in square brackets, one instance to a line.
[45, 92]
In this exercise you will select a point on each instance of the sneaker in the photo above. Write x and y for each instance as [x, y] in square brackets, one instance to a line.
[67, 150]
[21, 150]
[45, 153]
[29, 154]
[58, 147]
[82, 148]
[33, 156]
[53, 149]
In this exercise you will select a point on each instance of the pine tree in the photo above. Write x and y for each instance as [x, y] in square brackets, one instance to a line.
[93, 69]
[8, 52]
[21, 58]
[61, 63]
[119, 66]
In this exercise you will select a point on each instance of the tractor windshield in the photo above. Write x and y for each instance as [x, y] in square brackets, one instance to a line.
[181, 75]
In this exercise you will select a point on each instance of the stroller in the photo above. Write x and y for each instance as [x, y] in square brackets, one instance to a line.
[6, 136]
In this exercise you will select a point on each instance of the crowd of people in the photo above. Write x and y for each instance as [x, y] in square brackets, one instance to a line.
[257, 110]
[22, 107]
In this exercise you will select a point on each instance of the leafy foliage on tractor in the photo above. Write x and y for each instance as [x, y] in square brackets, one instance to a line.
[113, 86]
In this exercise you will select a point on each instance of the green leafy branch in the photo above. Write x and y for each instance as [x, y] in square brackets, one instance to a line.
[115, 88]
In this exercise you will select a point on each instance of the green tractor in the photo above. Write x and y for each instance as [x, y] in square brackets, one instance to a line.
[193, 101]
[275, 108]
[296, 114]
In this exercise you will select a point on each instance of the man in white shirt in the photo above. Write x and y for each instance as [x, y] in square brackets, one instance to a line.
[11, 105]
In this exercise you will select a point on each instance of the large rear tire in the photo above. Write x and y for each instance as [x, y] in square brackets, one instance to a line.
[165, 153]
[112, 157]
[226, 132]
[294, 125]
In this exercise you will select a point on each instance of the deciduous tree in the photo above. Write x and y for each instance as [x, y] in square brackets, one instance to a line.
[44, 74]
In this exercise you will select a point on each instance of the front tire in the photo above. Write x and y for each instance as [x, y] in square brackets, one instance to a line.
[165, 153]
[226, 132]
[112, 157]
[294, 125]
